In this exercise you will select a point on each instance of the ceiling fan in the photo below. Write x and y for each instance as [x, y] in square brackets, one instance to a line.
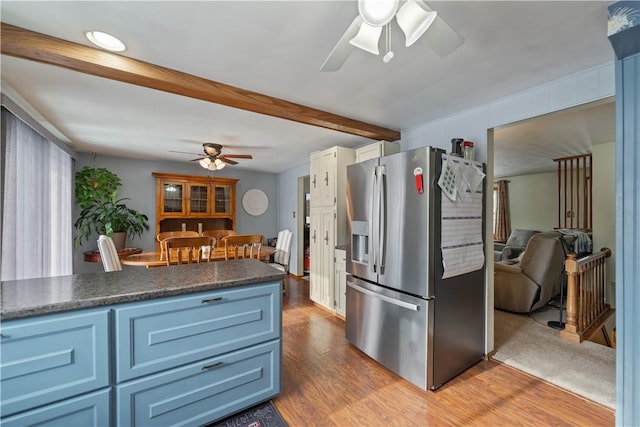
[213, 159]
[414, 17]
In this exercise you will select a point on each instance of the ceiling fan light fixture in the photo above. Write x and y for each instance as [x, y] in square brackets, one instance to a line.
[219, 164]
[414, 21]
[105, 41]
[377, 13]
[212, 165]
[207, 164]
[367, 38]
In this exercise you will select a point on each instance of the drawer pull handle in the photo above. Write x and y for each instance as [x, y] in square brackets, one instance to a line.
[215, 365]
[205, 301]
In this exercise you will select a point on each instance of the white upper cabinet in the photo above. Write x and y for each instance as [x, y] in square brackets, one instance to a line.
[376, 149]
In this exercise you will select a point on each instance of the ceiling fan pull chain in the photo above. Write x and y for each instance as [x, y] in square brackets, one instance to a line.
[389, 55]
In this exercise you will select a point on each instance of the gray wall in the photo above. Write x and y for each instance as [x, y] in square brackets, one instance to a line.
[139, 186]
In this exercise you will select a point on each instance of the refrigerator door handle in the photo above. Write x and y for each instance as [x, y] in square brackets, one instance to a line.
[382, 219]
[385, 298]
[372, 238]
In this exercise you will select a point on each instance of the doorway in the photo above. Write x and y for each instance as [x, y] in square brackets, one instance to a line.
[522, 154]
[303, 225]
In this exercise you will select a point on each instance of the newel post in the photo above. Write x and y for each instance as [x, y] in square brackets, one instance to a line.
[570, 331]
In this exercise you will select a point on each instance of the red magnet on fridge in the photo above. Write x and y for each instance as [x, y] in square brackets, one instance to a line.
[417, 172]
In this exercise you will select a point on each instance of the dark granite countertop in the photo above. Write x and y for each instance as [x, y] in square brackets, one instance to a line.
[32, 297]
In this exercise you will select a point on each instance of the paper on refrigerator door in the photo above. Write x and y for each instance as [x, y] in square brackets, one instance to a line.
[448, 180]
[461, 227]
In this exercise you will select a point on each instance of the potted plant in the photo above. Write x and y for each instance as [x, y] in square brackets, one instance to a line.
[101, 211]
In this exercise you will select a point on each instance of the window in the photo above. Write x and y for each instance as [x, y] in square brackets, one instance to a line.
[36, 204]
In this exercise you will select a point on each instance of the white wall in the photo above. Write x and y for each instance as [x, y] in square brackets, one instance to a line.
[533, 201]
[472, 124]
[604, 209]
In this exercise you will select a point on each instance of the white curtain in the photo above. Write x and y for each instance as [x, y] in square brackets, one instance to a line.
[37, 204]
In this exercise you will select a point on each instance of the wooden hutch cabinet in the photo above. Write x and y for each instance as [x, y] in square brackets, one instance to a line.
[190, 200]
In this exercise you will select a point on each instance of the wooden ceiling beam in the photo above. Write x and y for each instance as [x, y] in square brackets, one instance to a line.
[30, 45]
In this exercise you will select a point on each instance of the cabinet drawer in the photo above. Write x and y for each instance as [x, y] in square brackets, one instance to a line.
[163, 334]
[88, 410]
[204, 391]
[49, 358]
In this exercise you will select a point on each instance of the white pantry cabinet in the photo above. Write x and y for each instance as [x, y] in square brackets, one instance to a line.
[376, 149]
[328, 170]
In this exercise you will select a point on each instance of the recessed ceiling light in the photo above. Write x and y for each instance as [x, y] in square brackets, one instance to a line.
[105, 41]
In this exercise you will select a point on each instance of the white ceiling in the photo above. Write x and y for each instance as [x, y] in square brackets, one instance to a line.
[276, 48]
[529, 147]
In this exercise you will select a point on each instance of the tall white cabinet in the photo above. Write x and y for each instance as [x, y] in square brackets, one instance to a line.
[376, 149]
[328, 180]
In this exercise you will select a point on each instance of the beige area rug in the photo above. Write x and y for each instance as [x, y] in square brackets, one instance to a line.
[527, 344]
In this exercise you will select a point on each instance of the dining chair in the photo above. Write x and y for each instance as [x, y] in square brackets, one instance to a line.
[218, 234]
[168, 234]
[189, 250]
[108, 254]
[242, 246]
[282, 255]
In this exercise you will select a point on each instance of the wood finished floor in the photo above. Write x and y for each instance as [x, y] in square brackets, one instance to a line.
[328, 382]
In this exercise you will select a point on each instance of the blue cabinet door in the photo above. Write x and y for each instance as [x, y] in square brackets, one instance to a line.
[202, 392]
[90, 410]
[162, 334]
[50, 358]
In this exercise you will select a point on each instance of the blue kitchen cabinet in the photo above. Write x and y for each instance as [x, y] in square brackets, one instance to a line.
[92, 409]
[188, 359]
[165, 333]
[202, 392]
[193, 359]
[50, 358]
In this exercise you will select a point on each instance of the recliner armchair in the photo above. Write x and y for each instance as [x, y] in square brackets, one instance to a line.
[529, 284]
[514, 246]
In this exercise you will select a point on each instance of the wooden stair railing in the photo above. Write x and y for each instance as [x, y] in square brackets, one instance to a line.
[575, 192]
[586, 307]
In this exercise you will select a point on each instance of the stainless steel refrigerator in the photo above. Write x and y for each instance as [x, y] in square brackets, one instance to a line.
[400, 311]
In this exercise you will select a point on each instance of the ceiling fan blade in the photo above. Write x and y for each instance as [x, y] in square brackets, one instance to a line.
[198, 159]
[184, 152]
[231, 162]
[440, 36]
[343, 48]
[238, 156]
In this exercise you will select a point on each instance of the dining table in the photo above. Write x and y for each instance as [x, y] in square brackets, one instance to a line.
[157, 259]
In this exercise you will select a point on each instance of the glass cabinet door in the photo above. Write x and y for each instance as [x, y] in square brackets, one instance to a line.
[222, 201]
[199, 200]
[172, 193]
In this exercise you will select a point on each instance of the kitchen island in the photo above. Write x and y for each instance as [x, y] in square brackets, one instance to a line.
[186, 344]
